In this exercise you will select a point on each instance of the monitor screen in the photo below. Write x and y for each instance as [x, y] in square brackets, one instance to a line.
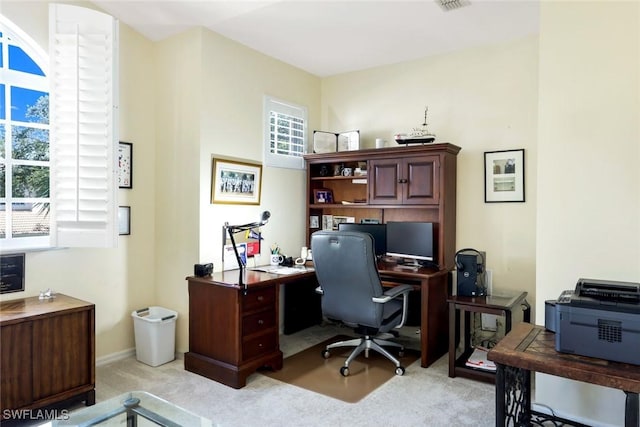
[412, 240]
[378, 231]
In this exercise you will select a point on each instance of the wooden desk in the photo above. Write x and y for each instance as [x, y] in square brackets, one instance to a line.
[530, 348]
[500, 305]
[233, 328]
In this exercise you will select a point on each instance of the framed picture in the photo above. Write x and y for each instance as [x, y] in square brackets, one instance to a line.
[349, 141]
[125, 165]
[322, 195]
[327, 222]
[314, 221]
[235, 182]
[324, 142]
[11, 273]
[504, 176]
[124, 220]
[337, 220]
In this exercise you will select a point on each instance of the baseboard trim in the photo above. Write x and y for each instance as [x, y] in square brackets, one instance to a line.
[114, 357]
[124, 354]
[544, 409]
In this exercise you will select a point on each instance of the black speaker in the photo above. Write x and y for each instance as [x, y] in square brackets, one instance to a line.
[470, 277]
[202, 270]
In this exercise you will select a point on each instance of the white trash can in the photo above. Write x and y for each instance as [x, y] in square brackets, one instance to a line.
[155, 335]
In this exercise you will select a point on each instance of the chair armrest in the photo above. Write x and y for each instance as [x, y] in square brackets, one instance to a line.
[392, 293]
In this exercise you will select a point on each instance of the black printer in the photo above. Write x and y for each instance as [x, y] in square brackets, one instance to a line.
[599, 318]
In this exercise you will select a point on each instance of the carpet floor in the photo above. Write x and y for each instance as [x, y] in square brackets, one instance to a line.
[309, 370]
[421, 397]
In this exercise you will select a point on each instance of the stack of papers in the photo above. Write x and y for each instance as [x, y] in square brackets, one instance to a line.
[478, 360]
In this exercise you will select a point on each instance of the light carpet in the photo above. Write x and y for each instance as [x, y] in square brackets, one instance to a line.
[309, 370]
[422, 397]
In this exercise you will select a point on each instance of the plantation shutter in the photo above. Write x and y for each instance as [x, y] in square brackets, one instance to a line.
[83, 47]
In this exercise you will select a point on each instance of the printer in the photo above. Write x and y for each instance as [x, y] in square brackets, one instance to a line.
[599, 318]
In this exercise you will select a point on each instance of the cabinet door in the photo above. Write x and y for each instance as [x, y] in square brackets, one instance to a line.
[408, 181]
[385, 187]
[421, 180]
[61, 353]
[15, 366]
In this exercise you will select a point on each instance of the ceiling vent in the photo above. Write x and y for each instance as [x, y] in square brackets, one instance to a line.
[448, 5]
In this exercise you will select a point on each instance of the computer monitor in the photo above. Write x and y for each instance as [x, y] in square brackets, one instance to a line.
[411, 240]
[377, 231]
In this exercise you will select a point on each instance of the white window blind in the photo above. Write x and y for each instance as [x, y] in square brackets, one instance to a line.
[285, 133]
[84, 110]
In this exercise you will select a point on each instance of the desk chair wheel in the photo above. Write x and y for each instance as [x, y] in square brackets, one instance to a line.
[325, 354]
[344, 371]
[399, 371]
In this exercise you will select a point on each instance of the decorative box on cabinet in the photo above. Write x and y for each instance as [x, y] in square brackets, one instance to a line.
[47, 352]
[404, 183]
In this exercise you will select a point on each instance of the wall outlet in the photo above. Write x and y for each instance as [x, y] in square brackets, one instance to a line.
[489, 322]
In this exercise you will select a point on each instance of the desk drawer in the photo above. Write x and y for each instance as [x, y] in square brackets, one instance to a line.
[258, 322]
[259, 298]
[259, 345]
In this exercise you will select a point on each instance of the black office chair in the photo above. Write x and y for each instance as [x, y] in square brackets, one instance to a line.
[352, 293]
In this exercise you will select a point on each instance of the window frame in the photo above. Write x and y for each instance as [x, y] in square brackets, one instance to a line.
[14, 36]
[272, 104]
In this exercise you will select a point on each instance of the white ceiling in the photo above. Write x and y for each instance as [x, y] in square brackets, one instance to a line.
[327, 37]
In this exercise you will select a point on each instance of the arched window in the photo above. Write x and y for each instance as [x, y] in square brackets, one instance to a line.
[24, 140]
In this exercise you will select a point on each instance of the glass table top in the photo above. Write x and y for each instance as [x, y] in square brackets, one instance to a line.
[134, 408]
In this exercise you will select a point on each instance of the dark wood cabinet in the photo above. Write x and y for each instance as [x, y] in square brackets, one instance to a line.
[233, 330]
[404, 183]
[47, 352]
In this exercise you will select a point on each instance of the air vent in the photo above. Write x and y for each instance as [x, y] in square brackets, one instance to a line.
[448, 5]
[609, 331]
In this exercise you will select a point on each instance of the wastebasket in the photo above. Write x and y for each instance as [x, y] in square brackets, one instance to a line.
[155, 335]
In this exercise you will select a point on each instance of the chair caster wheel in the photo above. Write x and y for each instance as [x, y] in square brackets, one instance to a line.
[399, 371]
[325, 354]
[344, 371]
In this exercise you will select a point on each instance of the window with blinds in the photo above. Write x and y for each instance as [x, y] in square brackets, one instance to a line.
[83, 107]
[285, 133]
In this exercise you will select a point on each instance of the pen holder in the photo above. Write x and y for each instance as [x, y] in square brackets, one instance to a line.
[276, 259]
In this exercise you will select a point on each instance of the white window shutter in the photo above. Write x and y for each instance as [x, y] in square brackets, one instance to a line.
[83, 108]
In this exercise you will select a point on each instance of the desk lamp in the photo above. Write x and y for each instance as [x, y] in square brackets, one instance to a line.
[232, 229]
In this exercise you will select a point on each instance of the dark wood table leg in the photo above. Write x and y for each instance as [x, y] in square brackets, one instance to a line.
[631, 410]
[500, 393]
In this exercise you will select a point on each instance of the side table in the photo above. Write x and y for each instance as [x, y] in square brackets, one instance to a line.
[501, 305]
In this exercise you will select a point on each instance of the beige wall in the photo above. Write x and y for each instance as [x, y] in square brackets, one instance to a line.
[482, 99]
[210, 103]
[588, 176]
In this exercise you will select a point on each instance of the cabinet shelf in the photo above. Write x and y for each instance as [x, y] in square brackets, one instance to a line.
[338, 178]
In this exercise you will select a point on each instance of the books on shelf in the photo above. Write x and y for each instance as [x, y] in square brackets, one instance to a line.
[478, 360]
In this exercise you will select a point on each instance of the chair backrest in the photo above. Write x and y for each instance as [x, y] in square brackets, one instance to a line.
[347, 272]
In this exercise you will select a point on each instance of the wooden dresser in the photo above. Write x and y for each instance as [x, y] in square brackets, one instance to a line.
[47, 352]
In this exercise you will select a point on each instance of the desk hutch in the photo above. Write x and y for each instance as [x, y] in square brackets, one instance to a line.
[404, 183]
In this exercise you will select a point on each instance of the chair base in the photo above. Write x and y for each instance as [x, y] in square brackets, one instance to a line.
[366, 343]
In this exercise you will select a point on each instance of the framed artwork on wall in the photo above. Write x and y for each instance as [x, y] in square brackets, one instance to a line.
[124, 220]
[125, 165]
[234, 182]
[504, 176]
